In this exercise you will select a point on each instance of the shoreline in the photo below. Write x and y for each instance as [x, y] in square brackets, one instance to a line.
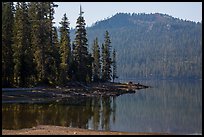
[60, 130]
[70, 92]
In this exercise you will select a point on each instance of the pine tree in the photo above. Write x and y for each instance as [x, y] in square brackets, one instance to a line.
[103, 63]
[114, 75]
[73, 69]
[41, 16]
[7, 41]
[89, 68]
[65, 50]
[51, 11]
[52, 52]
[96, 61]
[37, 38]
[55, 67]
[54, 59]
[81, 56]
[106, 58]
[23, 67]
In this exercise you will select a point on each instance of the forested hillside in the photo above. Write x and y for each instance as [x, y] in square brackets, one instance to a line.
[152, 45]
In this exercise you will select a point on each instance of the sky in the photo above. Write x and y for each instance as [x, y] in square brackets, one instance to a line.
[96, 11]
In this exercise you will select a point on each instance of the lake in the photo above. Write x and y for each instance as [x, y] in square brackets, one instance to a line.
[169, 106]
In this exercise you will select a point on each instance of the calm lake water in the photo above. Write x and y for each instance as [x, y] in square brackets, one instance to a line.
[169, 106]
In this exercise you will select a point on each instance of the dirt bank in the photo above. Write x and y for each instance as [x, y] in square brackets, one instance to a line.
[59, 130]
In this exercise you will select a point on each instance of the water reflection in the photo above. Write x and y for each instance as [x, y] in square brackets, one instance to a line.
[170, 106]
[17, 116]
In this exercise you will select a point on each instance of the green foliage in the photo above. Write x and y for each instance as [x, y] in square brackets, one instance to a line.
[22, 47]
[7, 41]
[41, 16]
[153, 45]
[65, 50]
[80, 51]
[38, 38]
[96, 61]
[114, 66]
[55, 58]
[33, 53]
[106, 58]
[52, 53]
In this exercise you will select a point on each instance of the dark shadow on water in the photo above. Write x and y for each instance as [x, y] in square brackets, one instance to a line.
[68, 113]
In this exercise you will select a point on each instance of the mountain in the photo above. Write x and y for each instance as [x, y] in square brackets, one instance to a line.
[152, 45]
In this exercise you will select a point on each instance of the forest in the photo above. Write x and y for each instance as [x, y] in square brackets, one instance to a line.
[136, 45]
[33, 54]
[152, 46]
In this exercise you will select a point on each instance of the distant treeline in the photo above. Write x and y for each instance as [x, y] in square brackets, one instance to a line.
[153, 45]
[33, 53]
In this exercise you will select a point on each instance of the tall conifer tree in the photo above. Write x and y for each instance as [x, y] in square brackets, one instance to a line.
[65, 50]
[114, 76]
[55, 65]
[106, 58]
[41, 15]
[36, 14]
[7, 41]
[81, 56]
[23, 67]
[96, 61]
[52, 43]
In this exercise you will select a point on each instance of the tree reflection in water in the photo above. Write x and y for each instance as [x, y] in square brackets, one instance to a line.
[170, 106]
[71, 114]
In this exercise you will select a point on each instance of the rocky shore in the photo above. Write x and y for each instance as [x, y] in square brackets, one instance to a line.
[67, 93]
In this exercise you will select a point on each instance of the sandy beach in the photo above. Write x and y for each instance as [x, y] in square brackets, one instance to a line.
[59, 130]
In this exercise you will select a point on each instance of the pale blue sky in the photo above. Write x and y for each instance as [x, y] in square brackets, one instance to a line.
[95, 11]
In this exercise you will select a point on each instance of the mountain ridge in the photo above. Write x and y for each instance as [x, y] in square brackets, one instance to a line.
[140, 17]
[152, 45]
